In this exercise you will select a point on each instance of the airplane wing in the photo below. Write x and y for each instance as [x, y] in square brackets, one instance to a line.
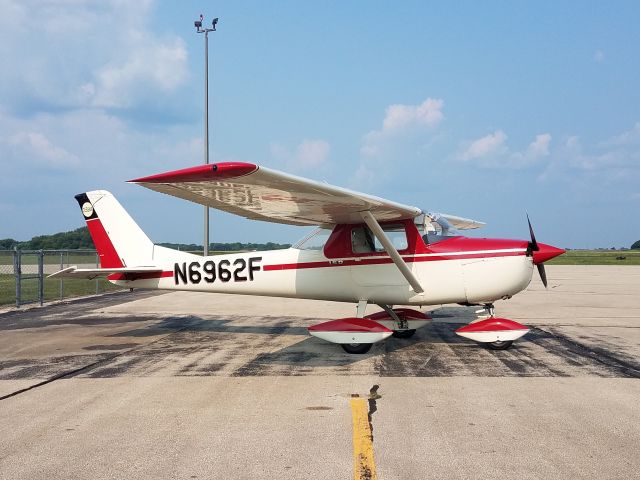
[460, 223]
[448, 222]
[261, 193]
[91, 273]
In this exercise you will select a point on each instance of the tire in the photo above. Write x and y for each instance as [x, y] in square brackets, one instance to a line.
[404, 333]
[500, 345]
[356, 348]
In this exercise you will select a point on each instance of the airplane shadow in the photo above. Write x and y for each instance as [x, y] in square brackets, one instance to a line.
[281, 346]
[272, 326]
[313, 352]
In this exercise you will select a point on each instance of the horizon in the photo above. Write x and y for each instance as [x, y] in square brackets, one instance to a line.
[199, 245]
[482, 111]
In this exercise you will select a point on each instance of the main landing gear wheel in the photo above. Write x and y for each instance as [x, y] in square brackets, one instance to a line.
[404, 333]
[357, 348]
[500, 345]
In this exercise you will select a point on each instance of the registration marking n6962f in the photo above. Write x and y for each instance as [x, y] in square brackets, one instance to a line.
[238, 270]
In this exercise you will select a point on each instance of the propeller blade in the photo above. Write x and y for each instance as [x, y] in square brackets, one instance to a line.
[543, 274]
[534, 247]
[534, 244]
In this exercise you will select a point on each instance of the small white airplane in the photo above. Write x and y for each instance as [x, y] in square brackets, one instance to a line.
[365, 250]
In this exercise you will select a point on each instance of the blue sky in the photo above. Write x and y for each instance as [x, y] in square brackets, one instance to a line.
[485, 110]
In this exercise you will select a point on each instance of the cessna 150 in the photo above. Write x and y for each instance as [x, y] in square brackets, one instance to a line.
[366, 250]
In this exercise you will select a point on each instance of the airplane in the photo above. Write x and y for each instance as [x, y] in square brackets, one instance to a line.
[365, 250]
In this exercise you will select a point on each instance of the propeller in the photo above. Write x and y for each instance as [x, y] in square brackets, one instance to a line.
[534, 247]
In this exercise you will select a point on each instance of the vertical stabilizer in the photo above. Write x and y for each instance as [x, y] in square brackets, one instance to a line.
[119, 240]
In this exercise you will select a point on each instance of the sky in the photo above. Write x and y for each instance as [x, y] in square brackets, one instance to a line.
[486, 110]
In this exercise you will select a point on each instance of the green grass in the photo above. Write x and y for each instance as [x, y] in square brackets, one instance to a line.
[597, 257]
[71, 287]
[52, 286]
[74, 258]
[80, 287]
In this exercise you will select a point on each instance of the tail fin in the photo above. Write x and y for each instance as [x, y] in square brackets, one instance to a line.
[119, 240]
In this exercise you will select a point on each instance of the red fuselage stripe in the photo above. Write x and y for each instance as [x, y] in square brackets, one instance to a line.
[333, 263]
[385, 260]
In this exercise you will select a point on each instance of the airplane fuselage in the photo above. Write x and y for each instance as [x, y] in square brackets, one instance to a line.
[454, 270]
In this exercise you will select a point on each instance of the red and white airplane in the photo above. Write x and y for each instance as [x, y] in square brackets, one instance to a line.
[366, 250]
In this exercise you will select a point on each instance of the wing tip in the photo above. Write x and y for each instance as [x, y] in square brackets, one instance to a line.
[211, 171]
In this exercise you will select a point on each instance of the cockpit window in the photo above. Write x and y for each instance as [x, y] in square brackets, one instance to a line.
[363, 240]
[315, 240]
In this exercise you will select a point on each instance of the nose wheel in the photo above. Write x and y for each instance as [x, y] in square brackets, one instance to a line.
[500, 345]
[357, 348]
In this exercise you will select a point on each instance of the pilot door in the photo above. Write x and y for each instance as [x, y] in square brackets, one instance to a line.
[372, 266]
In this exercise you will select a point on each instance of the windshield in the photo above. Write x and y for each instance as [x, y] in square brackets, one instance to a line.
[432, 233]
[315, 240]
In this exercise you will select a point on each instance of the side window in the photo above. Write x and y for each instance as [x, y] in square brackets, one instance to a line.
[397, 235]
[363, 241]
[315, 240]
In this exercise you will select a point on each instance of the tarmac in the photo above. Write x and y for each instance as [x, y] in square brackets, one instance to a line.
[186, 385]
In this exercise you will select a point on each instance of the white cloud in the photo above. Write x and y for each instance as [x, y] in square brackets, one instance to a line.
[148, 66]
[95, 54]
[612, 159]
[600, 166]
[630, 137]
[428, 113]
[492, 151]
[40, 148]
[491, 144]
[540, 146]
[307, 155]
[364, 177]
[401, 119]
[312, 153]
[91, 144]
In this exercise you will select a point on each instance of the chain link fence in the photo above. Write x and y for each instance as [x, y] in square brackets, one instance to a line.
[23, 276]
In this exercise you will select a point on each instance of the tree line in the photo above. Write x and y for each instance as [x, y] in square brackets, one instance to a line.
[81, 239]
[226, 247]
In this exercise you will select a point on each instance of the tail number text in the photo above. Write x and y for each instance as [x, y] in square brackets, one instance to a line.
[238, 270]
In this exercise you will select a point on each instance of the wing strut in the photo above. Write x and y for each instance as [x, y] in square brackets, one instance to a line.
[375, 227]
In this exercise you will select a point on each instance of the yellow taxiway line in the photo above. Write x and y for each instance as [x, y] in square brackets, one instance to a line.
[364, 466]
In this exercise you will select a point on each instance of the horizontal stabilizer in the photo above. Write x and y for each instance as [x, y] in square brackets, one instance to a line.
[91, 273]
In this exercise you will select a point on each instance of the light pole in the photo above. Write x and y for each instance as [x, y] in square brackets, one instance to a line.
[199, 29]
